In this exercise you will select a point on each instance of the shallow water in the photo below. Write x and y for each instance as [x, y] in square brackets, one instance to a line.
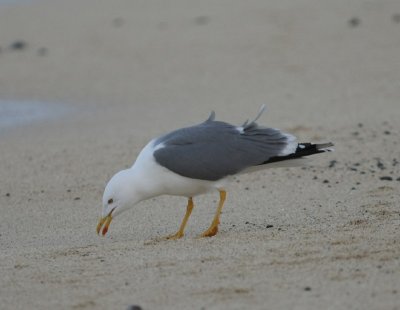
[17, 113]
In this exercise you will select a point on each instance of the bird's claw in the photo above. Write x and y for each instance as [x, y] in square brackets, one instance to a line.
[176, 236]
[211, 232]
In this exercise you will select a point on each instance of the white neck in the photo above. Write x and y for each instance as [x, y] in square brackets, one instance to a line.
[143, 173]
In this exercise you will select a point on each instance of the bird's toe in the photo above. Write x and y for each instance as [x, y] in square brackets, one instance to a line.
[212, 231]
[176, 236]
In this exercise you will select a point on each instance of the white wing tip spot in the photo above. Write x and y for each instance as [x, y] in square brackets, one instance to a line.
[240, 129]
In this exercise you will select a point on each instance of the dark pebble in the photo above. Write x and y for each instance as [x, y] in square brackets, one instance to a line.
[246, 188]
[18, 45]
[380, 164]
[396, 18]
[386, 132]
[386, 178]
[315, 177]
[134, 307]
[398, 179]
[68, 190]
[355, 133]
[354, 22]
[269, 226]
[325, 181]
[8, 195]
[360, 125]
[332, 163]
[307, 288]
[353, 188]
[77, 198]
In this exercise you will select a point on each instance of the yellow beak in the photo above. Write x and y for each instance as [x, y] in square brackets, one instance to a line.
[106, 222]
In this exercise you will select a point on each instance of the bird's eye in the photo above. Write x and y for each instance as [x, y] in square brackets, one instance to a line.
[110, 201]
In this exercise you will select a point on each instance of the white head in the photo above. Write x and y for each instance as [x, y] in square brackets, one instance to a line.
[119, 194]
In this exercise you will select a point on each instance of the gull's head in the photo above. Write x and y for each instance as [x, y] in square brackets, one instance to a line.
[118, 196]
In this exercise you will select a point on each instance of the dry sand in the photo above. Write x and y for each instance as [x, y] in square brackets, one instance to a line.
[131, 70]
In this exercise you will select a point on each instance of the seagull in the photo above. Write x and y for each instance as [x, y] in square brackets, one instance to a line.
[194, 160]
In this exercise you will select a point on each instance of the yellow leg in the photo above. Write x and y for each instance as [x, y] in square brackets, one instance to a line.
[180, 232]
[213, 229]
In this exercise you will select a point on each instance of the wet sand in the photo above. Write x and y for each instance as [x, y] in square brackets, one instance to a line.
[319, 237]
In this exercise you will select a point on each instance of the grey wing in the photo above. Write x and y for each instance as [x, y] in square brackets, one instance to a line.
[213, 150]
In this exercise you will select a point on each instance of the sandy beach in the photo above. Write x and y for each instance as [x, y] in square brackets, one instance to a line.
[115, 74]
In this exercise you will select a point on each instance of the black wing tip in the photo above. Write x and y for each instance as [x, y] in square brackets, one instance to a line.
[303, 149]
[325, 147]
